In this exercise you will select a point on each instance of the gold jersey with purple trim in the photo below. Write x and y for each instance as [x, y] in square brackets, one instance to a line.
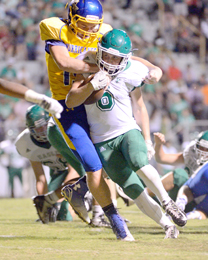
[58, 30]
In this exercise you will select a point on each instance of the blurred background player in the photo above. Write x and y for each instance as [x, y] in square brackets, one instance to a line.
[33, 144]
[184, 184]
[12, 161]
[195, 190]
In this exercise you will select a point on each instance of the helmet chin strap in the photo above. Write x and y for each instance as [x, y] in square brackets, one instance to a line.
[202, 156]
[86, 37]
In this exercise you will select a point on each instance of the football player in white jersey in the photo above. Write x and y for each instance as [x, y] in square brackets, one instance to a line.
[33, 144]
[188, 185]
[114, 128]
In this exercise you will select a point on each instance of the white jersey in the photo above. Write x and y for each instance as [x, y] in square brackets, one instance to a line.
[46, 153]
[190, 160]
[112, 115]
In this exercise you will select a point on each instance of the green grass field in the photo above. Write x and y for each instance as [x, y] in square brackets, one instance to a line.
[22, 238]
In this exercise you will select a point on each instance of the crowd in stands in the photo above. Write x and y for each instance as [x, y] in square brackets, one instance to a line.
[179, 98]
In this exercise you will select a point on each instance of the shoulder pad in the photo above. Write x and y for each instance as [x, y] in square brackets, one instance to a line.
[134, 73]
[50, 28]
[21, 142]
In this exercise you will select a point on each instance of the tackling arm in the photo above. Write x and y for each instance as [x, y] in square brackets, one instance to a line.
[79, 92]
[83, 88]
[19, 91]
[66, 63]
[12, 89]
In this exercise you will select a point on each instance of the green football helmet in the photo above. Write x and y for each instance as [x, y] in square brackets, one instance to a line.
[117, 43]
[37, 121]
[201, 147]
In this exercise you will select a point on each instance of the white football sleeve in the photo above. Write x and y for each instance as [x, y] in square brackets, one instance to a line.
[49, 104]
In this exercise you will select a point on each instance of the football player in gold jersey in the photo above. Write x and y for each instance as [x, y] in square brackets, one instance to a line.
[67, 42]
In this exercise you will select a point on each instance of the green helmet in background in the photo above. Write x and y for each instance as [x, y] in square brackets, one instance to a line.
[118, 43]
[37, 121]
[201, 147]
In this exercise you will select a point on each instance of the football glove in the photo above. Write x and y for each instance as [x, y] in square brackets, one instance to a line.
[100, 80]
[49, 104]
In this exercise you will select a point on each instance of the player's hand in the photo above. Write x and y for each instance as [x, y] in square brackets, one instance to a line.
[52, 106]
[100, 80]
[49, 104]
[159, 138]
[153, 76]
[150, 149]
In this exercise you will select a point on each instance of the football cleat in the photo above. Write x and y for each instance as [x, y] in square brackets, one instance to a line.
[128, 238]
[171, 232]
[120, 228]
[128, 201]
[43, 208]
[178, 215]
[100, 222]
[74, 194]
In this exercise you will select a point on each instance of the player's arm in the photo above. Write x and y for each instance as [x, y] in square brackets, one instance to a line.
[161, 156]
[155, 73]
[79, 92]
[41, 182]
[19, 91]
[82, 88]
[12, 89]
[140, 112]
[66, 63]
[142, 118]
